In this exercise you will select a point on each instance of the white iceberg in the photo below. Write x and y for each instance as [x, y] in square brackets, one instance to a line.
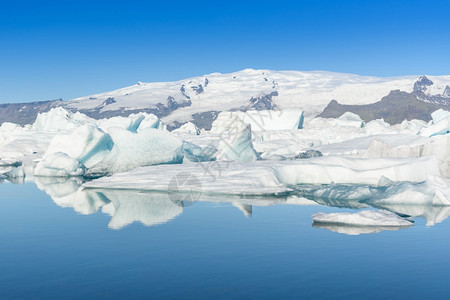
[260, 120]
[59, 119]
[439, 115]
[378, 126]
[347, 120]
[412, 127]
[326, 170]
[438, 146]
[59, 165]
[188, 128]
[273, 177]
[11, 172]
[440, 124]
[87, 144]
[134, 122]
[148, 147]
[236, 144]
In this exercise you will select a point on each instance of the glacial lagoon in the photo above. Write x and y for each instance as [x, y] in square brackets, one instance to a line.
[60, 241]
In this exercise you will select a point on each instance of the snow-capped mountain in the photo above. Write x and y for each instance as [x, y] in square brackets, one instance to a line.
[202, 97]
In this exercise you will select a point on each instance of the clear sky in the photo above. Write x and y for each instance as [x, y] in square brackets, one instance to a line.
[65, 49]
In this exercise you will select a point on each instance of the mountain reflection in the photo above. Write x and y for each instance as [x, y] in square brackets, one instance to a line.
[150, 208]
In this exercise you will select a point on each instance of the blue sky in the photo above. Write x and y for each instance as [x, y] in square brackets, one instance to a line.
[65, 49]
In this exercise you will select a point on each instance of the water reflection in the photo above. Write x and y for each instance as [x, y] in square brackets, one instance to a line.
[356, 230]
[149, 208]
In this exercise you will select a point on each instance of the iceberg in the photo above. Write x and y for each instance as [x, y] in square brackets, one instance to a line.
[87, 144]
[59, 119]
[188, 128]
[151, 121]
[59, 165]
[217, 177]
[438, 146]
[236, 144]
[260, 120]
[412, 127]
[348, 119]
[378, 126]
[134, 122]
[194, 153]
[442, 127]
[326, 170]
[439, 115]
[11, 169]
[273, 177]
[130, 150]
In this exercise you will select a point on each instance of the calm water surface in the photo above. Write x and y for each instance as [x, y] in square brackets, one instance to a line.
[59, 242]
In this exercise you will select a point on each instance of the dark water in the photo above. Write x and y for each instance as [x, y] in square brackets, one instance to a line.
[137, 245]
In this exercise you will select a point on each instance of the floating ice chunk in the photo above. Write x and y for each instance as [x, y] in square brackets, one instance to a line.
[363, 218]
[441, 188]
[349, 116]
[216, 177]
[58, 119]
[412, 127]
[133, 123]
[9, 162]
[151, 121]
[346, 120]
[405, 193]
[274, 177]
[378, 126]
[194, 153]
[260, 120]
[9, 127]
[59, 165]
[131, 150]
[326, 170]
[438, 146]
[439, 115]
[188, 128]
[434, 191]
[440, 128]
[12, 172]
[87, 144]
[381, 148]
[130, 123]
[237, 145]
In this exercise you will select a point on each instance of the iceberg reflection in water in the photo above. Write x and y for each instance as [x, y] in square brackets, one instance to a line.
[153, 208]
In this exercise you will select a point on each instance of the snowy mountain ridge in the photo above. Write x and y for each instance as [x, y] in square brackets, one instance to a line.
[310, 91]
[204, 96]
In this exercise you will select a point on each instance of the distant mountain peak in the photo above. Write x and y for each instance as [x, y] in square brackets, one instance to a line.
[447, 91]
[422, 84]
